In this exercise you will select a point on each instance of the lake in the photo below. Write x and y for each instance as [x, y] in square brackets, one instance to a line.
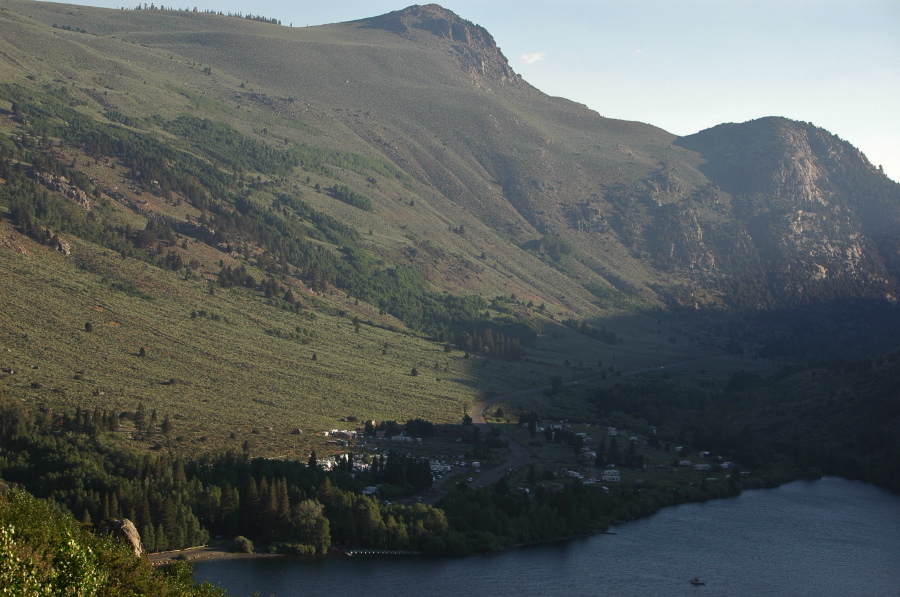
[825, 537]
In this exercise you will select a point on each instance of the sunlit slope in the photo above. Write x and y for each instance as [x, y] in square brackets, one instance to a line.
[487, 150]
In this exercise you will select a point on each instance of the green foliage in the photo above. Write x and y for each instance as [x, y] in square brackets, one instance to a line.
[46, 553]
[492, 341]
[230, 148]
[419, 428]
[241, 544]
[60, 564]
[41, 215]
[350, 197]
[73, 465]
[555, 247]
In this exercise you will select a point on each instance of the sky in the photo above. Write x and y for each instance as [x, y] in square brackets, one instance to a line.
[681, 65]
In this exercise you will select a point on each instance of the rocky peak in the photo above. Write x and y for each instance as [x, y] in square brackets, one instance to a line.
[776, 157]
[473, 47]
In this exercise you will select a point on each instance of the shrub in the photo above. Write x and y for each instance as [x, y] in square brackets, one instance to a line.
[242, 545]
[46, 553]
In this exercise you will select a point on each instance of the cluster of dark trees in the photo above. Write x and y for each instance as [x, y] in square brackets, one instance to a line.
[490, 342]
[505, 340]
[491, 519]
[43, 215]
[585, 329]
[297, 508]
[613, 456]
[558, 435]
[176, 502]
[67, 460]
[229, 277]
[419, 428]
[555, 247]
[237, 15]
[351, 197]
[413, 428]
[403, 471]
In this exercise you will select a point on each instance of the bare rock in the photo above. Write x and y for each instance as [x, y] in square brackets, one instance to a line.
[124, 529]
[62, 246]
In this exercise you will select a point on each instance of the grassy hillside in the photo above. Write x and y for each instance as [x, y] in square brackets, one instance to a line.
[238, 364]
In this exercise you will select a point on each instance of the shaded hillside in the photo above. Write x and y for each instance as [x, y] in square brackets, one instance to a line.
[842, 415]
[823, 221]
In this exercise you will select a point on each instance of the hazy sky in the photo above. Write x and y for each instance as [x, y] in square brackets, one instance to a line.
[682, 65]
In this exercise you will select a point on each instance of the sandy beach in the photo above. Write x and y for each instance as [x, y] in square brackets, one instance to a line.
[219, 551]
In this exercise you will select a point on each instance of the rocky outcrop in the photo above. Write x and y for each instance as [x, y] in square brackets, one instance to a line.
[62, 246]
[473, 47]
[60, 185]
[815, 209]
[126, 530]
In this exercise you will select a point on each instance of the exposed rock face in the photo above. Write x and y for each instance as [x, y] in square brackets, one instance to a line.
[474, 48]
[814, 208]
[62, 186]
[62, 246]
[775, 157]
[125, 529]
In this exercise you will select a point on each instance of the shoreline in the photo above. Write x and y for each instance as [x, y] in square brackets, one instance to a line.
[220, 551]
[192, 555]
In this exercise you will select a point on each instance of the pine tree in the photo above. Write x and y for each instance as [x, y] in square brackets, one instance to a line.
[284, 502]
[166, 426]
[162, 542]
[614, 451]
[140, 418]
[148, 538]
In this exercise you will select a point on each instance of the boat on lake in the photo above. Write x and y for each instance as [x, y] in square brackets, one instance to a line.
[697, 581]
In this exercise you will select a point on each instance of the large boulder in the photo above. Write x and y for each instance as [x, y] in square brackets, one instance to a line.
[125, 529]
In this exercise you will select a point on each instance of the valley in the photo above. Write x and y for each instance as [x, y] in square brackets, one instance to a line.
[223, 240]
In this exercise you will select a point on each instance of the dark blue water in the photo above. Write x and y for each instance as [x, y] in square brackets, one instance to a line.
[830, 537]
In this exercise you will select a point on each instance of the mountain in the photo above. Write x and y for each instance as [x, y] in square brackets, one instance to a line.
[393, 173]
[433, 94]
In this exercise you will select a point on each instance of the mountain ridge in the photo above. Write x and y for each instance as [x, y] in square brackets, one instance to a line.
[522, 164]
[350, 177]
